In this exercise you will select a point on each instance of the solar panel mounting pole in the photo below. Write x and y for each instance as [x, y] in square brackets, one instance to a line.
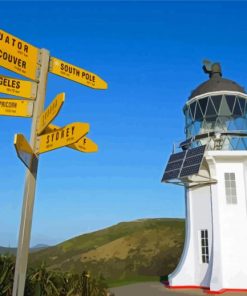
[30, 184]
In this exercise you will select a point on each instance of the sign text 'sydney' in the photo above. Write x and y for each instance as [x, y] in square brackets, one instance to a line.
[67, 135]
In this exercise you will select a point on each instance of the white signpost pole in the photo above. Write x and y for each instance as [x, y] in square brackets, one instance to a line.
[30, 184]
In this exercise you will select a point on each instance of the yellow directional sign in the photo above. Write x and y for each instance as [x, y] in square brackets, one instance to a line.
[18, 56]
[50, 113]
[10, 107]
[67, 135]
[24, 151]
[76, 74]
[17, 87]
[83, 145]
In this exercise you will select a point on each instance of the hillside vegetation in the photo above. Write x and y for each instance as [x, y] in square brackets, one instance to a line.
[129, 250]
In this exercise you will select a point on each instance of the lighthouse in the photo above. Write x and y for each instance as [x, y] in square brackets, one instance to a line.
[211, 164]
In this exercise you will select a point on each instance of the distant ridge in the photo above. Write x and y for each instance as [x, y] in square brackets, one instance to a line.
[6, 250]
[12, 251]
[39, 247]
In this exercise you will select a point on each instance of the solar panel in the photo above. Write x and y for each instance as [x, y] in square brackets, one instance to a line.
[192, 160]
[190, 170]
[170, 175]
[174, 165]
[195, 151]
[184, 163]
[177, 156]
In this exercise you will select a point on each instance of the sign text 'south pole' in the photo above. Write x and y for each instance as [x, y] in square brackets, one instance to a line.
[30, 184]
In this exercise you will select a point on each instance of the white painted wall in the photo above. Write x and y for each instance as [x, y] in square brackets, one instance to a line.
[229, 224]
[191, 271]
[207, 208]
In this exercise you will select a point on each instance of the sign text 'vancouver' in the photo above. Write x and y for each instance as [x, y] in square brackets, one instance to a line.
[18, 56]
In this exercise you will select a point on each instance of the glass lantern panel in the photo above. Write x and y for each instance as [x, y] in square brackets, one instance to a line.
[189, 131]
[240, 123]
[203, 104]
[216, 101]
[205, 127]
[221, 124]
[241, 145]
[188, 118]
[234, 142]
[230, 101]
[245, 142]
[198, 113]
[224, 108]
[242, 104]
[192, 110]
[210, 109]
[197, 128]
[210, 124]
[232, 125]
[237, 111]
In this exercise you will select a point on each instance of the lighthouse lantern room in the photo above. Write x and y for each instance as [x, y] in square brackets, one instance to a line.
[212, 166]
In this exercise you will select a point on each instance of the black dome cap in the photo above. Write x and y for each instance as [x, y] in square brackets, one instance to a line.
[215, 82]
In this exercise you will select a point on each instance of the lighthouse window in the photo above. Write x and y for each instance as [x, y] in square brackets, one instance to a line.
[230, 187]
[204, 246]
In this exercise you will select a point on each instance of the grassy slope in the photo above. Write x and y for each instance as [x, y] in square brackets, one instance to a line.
[127, 251]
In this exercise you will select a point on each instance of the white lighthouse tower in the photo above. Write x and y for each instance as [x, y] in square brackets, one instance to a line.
[212, 165]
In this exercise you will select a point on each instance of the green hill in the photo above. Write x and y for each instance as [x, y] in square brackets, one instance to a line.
[140, 249]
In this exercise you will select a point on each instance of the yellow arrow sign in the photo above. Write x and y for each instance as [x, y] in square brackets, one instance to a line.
[50, 113]
[18, 56]
[24, 151]
[17, 87]
[83, 145]
[76, 74]
[10, 107]
[67, 135]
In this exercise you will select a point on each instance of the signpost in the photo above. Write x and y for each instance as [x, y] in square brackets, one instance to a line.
[30, 186]
[23, 58]
[50, 113]
[70, 134]
[24, 151]
[18, 56]
[76, 74]
[12, 107]
[17, 87]
[85, 144]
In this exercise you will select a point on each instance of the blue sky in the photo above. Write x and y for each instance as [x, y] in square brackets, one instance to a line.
[150, 53]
